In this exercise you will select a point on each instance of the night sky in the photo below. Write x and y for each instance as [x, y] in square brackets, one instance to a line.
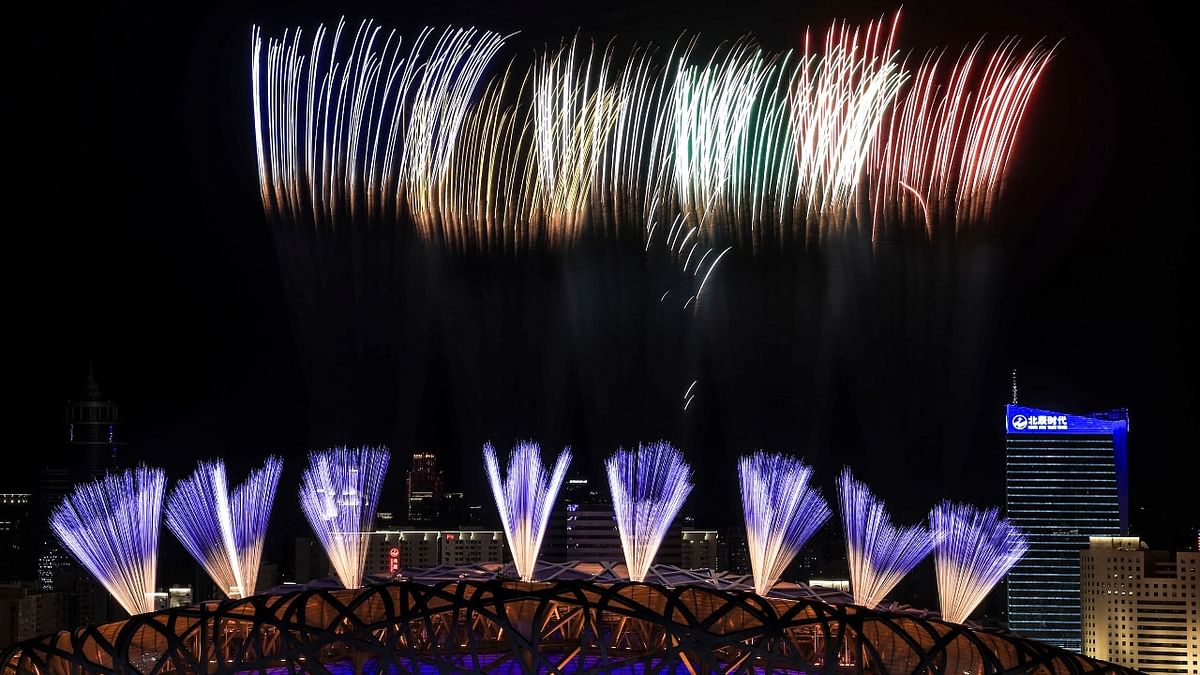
[145, 249]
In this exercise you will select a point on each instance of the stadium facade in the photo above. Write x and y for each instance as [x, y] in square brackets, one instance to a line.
[580, 617]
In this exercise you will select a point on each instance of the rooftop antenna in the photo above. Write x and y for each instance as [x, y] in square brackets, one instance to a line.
[1014, 386]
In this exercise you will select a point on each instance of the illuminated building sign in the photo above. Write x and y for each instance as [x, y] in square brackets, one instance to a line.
[394, 559]
[1021, 420]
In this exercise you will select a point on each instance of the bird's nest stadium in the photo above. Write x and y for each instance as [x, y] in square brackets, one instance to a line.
[580, 618]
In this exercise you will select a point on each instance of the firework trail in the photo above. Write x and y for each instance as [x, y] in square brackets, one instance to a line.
[839, 102]
[941, 159]
[525, 496]
[225, 532]
[339, 494]
[358, 128]
[648, 486]
[111, 527]
[753, 149]
[975, 550]
[879, 553]
[782, 512]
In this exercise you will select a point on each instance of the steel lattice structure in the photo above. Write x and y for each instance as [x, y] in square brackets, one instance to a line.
[570, 625]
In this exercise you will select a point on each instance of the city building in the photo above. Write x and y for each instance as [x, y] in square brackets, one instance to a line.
[1139, 606]
[89, 450]
[423, 485]
[15, 561]
[465, 547]
[26, 613]
[1065, 483]
[699, 550]
[392, 551]
[179, 596]
[583, 528]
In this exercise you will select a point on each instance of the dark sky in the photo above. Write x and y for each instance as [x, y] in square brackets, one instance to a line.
[137, 240]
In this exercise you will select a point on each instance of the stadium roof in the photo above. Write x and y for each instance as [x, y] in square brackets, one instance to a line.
[582, 619]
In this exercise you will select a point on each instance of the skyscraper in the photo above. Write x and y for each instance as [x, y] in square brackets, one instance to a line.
[424, 488]
[1066, 482]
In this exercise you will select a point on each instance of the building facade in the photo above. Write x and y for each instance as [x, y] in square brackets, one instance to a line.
[391, 551]
[1065, 482]
[699, 550]
[424, 488]
[1139, 607]
[15, 560]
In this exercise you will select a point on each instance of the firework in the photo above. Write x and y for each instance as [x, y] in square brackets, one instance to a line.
[525, 497]
[975, 550]
[224, 532]
[747, 148]
[878, 553]
[648, 488]
[339, 493]
[940, 162]
[839, 100]
[111, 527]
[358, 128]
[782, 511]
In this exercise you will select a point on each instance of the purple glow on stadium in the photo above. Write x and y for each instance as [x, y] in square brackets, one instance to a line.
[782, 511]
[649, 486]
[878, 553]
[111, 527]
[524, 498]
[339, 494]
[975, 550]
[225, 532]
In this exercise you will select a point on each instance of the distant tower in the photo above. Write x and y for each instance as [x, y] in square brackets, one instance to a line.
[92, 426]
[424, 487]
[89, 451]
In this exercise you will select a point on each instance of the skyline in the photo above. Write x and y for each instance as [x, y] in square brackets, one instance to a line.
[242, 398]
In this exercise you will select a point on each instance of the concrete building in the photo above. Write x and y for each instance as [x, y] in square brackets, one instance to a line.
[1139, 607]
[699, 550]
[393, 550]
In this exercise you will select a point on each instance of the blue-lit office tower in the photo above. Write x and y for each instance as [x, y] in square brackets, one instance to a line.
[1066, 481]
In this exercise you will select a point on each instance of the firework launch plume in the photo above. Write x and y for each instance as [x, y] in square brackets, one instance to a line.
[224, 531]
[975, 549]
[878, 553]
[782, 512]
[339, 494]
[524, 497]
[648, 486]
[111, 527]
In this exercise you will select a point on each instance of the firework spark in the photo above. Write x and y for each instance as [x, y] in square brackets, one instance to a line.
[339, 493]
[941, 160]
[648, 486]
[525, 496]
[111, 527]
[782, 511]
[358, 128]
[746, 148]
[975, 550]
[225, 532]
[878, 553]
